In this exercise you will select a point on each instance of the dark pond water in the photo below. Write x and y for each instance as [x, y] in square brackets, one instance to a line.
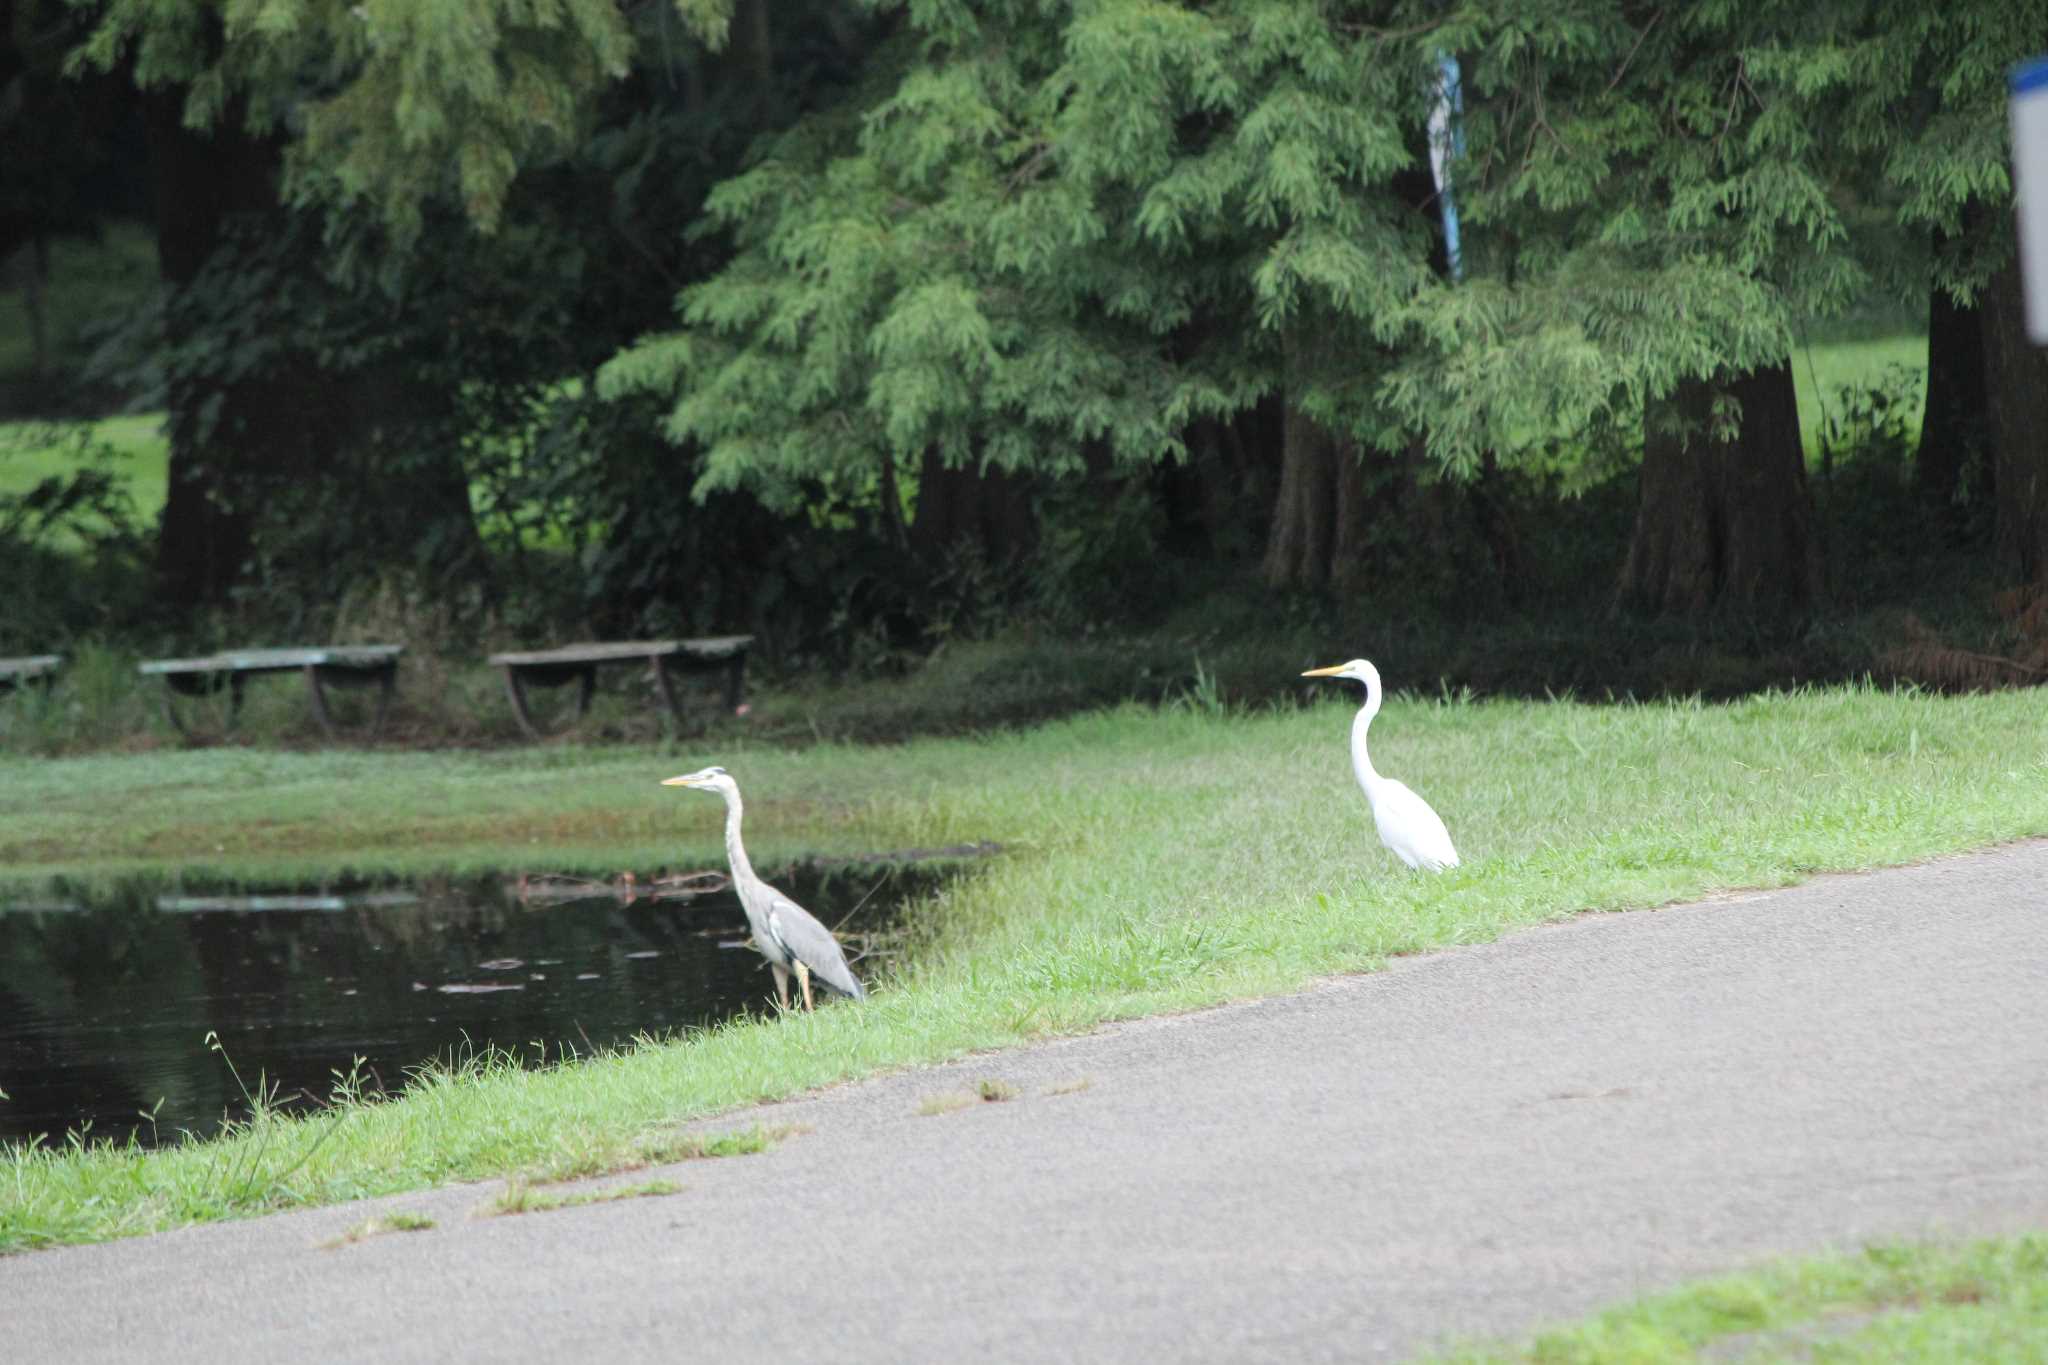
[105, 1006]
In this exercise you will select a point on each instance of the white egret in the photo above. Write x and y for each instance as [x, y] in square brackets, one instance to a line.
[1410, 829]
[789, 936]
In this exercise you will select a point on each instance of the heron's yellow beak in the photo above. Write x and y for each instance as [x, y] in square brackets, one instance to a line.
[1332, 671]
[686, 780]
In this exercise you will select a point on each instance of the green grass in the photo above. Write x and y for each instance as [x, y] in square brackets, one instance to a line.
[1154, 861]
[1983, 1303]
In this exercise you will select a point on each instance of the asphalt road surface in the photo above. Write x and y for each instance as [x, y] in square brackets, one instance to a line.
[1469, 1144]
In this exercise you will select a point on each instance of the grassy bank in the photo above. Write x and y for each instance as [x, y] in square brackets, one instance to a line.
[1155, 860]
[1987, 1301]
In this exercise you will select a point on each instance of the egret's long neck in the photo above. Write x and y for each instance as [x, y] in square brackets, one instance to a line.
[735, 852]
[1361, 761]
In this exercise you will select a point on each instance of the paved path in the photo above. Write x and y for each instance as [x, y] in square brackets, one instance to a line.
[1470, 1143]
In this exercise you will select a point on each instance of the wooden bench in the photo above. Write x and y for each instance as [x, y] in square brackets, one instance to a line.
[341, 665]
[40, 669]
[579, 664]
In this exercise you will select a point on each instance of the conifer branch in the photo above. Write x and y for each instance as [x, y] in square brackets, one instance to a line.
[1629, 60]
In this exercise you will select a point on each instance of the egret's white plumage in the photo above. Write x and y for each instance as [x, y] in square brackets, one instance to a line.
[1410, 829]
[789, 936]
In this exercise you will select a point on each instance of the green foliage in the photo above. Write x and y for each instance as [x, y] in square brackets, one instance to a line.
[1917, 94]
[1037, 232]
[1047, 238]
[393, 103]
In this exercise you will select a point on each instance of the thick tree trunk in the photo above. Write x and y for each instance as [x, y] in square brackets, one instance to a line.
[753, 46]
[1318, 535]
[2016, 401]
[315, 473]
[205, 536]
[1724, 525]
[989, 510]
[1952, 432]
[1219, 503]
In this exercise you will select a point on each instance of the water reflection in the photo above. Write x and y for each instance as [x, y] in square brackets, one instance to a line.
[105, 1004]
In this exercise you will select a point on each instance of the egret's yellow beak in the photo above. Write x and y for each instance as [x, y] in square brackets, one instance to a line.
[1332, 671]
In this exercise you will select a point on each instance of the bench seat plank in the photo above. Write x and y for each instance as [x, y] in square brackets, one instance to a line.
[354, 657]
[348, 665]
[30, 666]
[711, 647]
[40, 669]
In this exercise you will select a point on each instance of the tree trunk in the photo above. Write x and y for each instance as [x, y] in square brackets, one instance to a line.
[33, 266]
[1724, 525]
[753, 46]
[313, 474]
[2016, 402]
[1952, 432]
[1218, 504]
[989, 510]
[205, 535]
[1318, 537]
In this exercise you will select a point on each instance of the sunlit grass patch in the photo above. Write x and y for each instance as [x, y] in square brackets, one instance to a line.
[1821, 371]
[135, 447]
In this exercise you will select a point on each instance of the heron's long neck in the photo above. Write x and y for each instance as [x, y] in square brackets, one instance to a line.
[1361, 761]
[735, 852]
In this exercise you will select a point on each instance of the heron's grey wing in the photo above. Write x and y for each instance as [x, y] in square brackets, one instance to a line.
[812, 944]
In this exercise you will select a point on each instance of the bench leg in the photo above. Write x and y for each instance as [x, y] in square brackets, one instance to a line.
[735, 683]
[515, 690]
[319, 695]
[665, 686]
[199, 685]
[171, 708]
[586, 688]
[387, 683]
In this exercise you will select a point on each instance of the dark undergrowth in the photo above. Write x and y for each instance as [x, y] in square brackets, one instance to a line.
[1108, 613]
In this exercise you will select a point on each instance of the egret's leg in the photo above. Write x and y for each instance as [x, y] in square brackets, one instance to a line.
[803, 979]
[781, 983]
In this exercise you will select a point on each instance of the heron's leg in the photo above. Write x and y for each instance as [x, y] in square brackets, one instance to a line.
[803, 979]
[781, 984]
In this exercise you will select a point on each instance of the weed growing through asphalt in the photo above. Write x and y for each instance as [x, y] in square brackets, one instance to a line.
[520, 1197]
[378, 1226]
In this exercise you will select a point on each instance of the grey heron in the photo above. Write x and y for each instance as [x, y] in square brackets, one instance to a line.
[789, 936]
[1411, 830]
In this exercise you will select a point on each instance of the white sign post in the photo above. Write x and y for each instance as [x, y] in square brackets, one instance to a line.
[2030, 188]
